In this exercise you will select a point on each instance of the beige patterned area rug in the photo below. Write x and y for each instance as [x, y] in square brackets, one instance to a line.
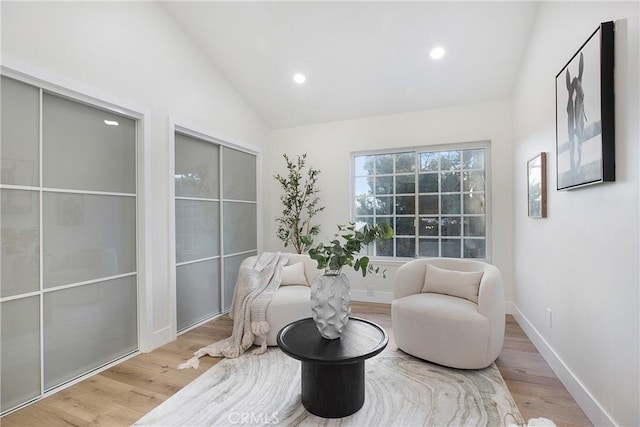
[400, 391]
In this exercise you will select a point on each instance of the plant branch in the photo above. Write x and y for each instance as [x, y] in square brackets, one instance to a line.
[300, 203]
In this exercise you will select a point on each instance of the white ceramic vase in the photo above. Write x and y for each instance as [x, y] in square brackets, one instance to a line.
[331, 303]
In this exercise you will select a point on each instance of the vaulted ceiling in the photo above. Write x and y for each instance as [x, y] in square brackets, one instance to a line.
[360, 59]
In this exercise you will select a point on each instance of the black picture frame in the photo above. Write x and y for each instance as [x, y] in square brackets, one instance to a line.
[585, 136]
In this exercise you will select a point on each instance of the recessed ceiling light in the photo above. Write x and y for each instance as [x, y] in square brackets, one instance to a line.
[437, 52]
[299, 78]
[111, 123]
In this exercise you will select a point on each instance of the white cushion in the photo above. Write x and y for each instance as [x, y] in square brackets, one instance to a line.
[290, 303]
[461, 284]
[442, 329]
[294, 275]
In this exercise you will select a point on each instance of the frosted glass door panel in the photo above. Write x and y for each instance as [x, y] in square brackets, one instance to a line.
[239, 227]
[85, 148]
[20, 260]
[20, 108]
[197, 230]
[20, 351]
[87, 237]
[198, 292]
[239, 175]
[197, 168]
[88, 326]
[231, 269]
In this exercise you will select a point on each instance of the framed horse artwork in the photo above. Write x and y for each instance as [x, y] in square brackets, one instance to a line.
[585, 136]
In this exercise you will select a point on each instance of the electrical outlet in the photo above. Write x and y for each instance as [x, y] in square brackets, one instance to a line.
[550, 318]
[370, 291]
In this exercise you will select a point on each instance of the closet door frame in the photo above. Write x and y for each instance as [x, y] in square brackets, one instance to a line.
[216, 138]
[50, 83]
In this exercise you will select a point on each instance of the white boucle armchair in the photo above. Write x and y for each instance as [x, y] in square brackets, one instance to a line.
[292, 302]
[444, 329]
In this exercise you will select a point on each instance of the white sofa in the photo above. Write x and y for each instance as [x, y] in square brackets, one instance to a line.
[445, 329]
[291, 302]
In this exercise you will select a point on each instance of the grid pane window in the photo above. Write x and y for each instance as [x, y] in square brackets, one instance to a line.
[434, 200]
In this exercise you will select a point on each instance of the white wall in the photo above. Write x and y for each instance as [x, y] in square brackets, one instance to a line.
[133, 54]
[329, 147]
[582, 261]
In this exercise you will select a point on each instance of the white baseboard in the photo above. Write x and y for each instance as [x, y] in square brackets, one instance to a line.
[578, 391]
[378, 297]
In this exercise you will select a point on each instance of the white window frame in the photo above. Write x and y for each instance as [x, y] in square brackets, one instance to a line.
[486, 145]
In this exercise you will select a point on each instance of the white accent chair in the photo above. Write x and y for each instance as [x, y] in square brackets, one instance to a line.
[291, 302]
[445, 329]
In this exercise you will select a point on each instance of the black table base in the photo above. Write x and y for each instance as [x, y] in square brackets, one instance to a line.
[333, 391]
[333, 374]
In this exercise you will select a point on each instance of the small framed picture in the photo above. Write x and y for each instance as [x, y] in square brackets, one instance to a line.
[537, 186]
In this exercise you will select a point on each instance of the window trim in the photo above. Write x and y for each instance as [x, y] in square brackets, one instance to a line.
[484, 144]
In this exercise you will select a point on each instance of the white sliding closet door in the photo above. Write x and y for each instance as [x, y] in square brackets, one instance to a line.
[215, 225]
[197, 213]
[69, 252]
[20, 349]
[240, 215]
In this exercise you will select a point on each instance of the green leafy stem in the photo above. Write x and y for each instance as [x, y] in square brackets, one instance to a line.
[348, 242]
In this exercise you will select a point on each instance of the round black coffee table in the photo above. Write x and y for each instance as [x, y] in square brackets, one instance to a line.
[332, 370]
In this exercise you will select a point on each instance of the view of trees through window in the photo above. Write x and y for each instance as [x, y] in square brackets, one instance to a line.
[434, 200]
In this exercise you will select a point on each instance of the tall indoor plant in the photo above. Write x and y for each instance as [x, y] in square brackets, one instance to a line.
[330, 292]
[300, 204]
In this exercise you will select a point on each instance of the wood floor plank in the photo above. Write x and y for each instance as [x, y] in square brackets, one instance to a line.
[121, 395]
[41, 414]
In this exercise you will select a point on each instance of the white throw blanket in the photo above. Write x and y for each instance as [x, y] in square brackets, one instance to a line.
[255, 288]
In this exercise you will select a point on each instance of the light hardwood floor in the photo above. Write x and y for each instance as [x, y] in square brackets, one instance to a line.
[124, 393]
